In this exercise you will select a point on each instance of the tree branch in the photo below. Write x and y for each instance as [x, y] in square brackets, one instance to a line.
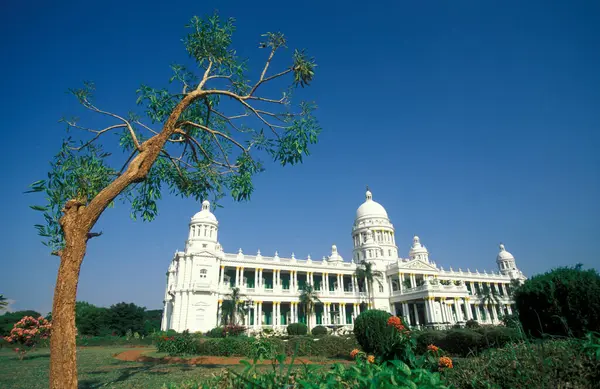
[205, 77]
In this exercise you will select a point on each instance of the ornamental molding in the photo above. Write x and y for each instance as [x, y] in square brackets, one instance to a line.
[418, 264]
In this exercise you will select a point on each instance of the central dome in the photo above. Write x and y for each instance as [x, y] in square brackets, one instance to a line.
[370, 208]
[205, 214]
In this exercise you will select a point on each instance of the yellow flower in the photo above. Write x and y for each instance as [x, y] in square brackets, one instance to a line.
[371, 359]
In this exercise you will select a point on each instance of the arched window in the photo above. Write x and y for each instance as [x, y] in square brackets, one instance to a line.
[203, 273]
[380, 288]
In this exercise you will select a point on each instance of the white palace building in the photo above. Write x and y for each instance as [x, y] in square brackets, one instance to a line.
[200, 277]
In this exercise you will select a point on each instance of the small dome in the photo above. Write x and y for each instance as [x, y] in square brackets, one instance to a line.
[335, 256]
[205, 214]
[504, 255]
[417, 247]
[370, 208]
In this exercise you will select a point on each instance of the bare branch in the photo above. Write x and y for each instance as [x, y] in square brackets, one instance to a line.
[97, 132]
[91, 107]
[205, 77]
[215, 133]
[91, 235]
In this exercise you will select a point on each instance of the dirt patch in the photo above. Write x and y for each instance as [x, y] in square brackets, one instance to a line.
[137, 356]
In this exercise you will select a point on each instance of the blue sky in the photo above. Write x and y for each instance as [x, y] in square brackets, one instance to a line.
[472, 122]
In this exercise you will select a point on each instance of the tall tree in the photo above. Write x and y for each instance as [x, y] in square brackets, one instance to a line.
[365, 272]
[308, 299]
[205, 137]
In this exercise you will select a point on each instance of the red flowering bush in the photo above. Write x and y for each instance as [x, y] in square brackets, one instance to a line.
[27, 333]
[445, 363]
[384, 335]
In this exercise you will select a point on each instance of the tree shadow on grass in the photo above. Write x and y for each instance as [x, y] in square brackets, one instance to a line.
[125, 373]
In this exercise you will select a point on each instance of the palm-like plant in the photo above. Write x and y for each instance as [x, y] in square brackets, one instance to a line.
[488, 296]
[308, 298]
[233, 307]
[366, 273]
[3, 302]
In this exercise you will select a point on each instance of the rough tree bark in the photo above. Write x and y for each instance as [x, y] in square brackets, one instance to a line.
[77, 221]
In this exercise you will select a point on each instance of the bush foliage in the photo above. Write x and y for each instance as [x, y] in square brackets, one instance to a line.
[551, 364]
[465, 341]
[372, 331]
[564, 301]
[319, 331]
[297, 329]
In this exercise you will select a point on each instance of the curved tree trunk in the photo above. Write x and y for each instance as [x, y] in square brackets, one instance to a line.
[63, 360]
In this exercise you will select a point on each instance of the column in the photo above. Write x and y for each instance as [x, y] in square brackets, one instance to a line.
[312, 281]
[442, 311]
[277, 314]
[354, 284]
[400, 282]
[242, 277]
[219, 313]
[354, 312]
[504, 289]
[295, 280]
[457, 306]
[393, 309]
[477, 313]
[468, 308]
[343, 313]
[509, 309]
[221, 276]
[340, 284]
[413, 281]
[406, 313]
[325, 282]
[237, 276]
[427, 310]
[494, 313]
[259, 313]
[326, 313]
[255, 308]
[416, 311]
[256, 278]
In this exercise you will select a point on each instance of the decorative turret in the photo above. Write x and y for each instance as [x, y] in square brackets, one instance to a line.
[204, 228]
[418, 251]
[335, 257]
[373, 233]
[507, 266]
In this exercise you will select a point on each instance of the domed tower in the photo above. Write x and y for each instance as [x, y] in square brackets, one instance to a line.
[373, 233]
[418, 251]
[507, 266]
[204, 228]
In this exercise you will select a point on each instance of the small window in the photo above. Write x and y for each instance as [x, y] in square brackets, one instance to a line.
[380, 288]
[203, 273]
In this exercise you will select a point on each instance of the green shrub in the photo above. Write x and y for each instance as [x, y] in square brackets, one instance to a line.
[511, 321]
[110, 340]
[564, 301]
[371, 330]
[297, 329]
[231, 346]
[425, 338]
[216, 332]
[233, 330]
[178, 344]
[472, 324]
[497, 336]
[319, 331]
[376, 336]
[550, 364]
[461, 342]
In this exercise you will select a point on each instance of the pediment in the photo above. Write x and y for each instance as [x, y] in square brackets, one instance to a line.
[418, 265]
[203, 253]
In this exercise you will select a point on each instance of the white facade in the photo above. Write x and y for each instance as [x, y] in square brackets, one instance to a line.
[200, 277]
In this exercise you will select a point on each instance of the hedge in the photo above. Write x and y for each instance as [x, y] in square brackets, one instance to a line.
[327, 346]
[464, 341]
[550, 364]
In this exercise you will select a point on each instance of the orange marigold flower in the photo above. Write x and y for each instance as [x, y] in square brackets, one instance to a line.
[445, 362]
[394, 321]
[371, 359]
[354, 353]
[433, 348]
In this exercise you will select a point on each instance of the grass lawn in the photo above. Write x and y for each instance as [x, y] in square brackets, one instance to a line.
[97, 369]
